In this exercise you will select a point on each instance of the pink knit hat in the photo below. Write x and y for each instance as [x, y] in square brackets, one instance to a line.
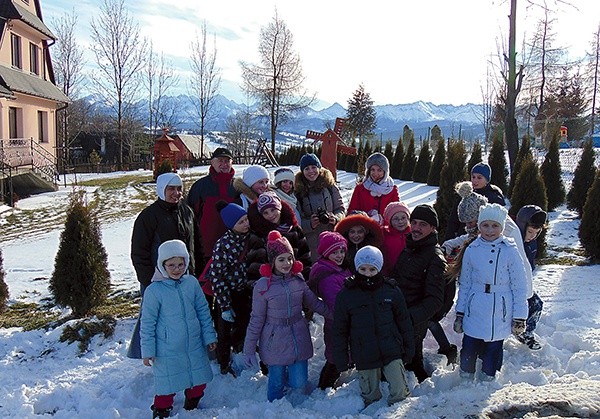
[329, 242]
[394, 208]
[277, 245]
[268, 200]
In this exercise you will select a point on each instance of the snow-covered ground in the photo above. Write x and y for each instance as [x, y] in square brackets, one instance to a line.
[42, 377]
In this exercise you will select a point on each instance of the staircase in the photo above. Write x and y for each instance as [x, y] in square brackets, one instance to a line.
[26, 168]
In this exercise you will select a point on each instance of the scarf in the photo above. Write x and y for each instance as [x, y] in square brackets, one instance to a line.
[383, 187]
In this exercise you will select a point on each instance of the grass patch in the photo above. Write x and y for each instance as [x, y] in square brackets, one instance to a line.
[83, 331]
[119, 182]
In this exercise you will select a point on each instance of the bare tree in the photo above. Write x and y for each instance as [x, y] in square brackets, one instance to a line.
[277, 81]
[593, 73]
[68, 65]
[206, 79]
[159, 79]
[120, 54]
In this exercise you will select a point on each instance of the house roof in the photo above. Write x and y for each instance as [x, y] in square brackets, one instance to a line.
[12, 10]
[17, 81]
[192, 143]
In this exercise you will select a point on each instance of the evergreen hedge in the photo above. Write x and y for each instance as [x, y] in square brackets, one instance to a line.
[409, 162]
[589, 229]
[582, 179]
[453, 171]
[497, 162]
[421, 171]
[433, 179]
[552, 175]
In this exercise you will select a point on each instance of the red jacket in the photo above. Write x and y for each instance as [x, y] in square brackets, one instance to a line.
[362, 200]
[394, 242]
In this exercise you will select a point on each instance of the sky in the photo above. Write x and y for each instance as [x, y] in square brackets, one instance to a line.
[42, 377]
[437, 51]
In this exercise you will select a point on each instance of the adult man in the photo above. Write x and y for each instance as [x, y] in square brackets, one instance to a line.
[419, 271]
[203, 197]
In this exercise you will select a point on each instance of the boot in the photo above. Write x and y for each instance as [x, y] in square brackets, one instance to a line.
[263, 368]
[419, 370]
[329, 375]
[191, 403]
[451, 354]
[161, 413]
[226, 369]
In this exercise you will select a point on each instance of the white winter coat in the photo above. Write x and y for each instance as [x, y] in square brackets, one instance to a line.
[492, 288]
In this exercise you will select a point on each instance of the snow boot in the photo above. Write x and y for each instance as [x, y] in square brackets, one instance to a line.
[329, 375]
[419, 370]
[191, 403]
[226, 369]
[451, 354]
[263, 368]
[530, 341]
[161, 413]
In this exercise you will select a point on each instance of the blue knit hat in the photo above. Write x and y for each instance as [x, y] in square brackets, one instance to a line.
[483, 169]
[231, 214]
[308, 160]
[369, 255]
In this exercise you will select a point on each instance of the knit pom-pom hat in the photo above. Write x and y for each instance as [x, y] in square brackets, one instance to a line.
[277, 245]
[493, 212]
[329, 242]
[394, 208]
[468, 207]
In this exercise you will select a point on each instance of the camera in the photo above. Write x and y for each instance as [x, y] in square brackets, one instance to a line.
[322, 214]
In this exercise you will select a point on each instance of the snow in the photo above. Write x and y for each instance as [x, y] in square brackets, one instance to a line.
[41, 376]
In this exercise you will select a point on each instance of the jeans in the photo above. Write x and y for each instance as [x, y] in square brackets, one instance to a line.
[535, 305]
[491, 353]
[296, 377]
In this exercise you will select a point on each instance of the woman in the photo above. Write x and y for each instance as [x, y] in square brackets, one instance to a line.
[319, 200]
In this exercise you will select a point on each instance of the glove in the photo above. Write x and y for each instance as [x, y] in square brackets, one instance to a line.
[228, 316]
[458, 323]
[518, 327]
[250, 361]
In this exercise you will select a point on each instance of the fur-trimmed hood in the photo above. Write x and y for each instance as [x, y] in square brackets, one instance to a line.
[242, 188]
[374, 236]
[262, 227]
[325, 180]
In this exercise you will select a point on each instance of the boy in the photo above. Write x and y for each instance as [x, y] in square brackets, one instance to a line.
[372, 319]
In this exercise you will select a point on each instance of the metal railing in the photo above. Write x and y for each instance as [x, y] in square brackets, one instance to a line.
[26, 153]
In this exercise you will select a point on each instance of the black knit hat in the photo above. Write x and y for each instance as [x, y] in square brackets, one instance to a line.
[426, 213]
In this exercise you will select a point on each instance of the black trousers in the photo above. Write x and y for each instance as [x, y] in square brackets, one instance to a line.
[233, 334]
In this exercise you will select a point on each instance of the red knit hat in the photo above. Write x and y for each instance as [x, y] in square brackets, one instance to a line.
[329, 242]
[277, 245]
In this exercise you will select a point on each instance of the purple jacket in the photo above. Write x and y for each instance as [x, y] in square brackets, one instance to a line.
[277, 323]
[327, 280]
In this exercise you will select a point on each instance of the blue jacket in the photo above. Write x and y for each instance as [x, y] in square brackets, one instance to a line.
[176, 327]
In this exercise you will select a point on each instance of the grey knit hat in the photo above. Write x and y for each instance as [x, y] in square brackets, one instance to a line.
[379, 160]
[468, 208]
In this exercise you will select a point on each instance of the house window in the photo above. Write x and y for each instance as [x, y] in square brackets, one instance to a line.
[34, 59]
[13, 122]
[15, 43]
[43, 126]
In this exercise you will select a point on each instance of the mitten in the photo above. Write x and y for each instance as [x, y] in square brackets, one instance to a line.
[250, 361]
[458, 323]
[518, 327]
[228, 316]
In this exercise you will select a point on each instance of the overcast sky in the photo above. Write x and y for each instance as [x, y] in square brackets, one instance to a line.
[402, 51]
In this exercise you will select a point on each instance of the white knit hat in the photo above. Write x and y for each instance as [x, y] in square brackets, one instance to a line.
[369, 255]
[164, 180]
[171, 249]
[492, 212]
[284, 173]
[253, 174]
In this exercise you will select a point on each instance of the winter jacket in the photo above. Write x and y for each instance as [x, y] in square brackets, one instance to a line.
[202, 199]
[290, 199]
[176, 327]
[244, 193]
[372, 319]
[394, 242]
[419, 272]
[323, 193]
[277, 324]
[524, 217]
[363, 200]
[326, 280]
[157, 223]
[373, 237]
[235, 265]
[492, 289]
[288, 227]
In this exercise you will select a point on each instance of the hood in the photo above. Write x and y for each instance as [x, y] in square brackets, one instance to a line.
[165, 180]
[170, 249]
[530, 214]
[243, 189]
[374, 236]
[325, 180]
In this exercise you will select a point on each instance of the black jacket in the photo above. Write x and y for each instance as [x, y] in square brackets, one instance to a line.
[419, 272]
[373, 322]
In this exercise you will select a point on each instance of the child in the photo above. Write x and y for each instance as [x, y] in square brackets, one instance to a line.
[372, 319]
[254, 181]
[395, 230]
[228, 273]
[531, 219]
[174, 306]
[277, 324]
[327, 277]
[359, 230]
[284, 188]
[492, 295]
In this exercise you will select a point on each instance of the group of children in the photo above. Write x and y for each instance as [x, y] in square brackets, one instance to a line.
[367, 323]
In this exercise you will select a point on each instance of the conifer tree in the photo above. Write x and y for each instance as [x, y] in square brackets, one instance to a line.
[80, 279]
[453, 171]
[409, 162]
[433, 179]
[524, 152]
[497, 162]
[3, 286]
[350, 159]
[396, 163]
[551, 173]
[388, 151]
[436, 136]
[529, 188]
[589, 229]
[359, 158]
[361, 118]
[582, 179]
[475, 157]
[423, 164]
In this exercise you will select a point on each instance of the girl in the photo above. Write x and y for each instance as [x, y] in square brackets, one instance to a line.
[174, 306]
[319, 200]
[327, 277]
[359, 230]
[284, 188]
[492, 296]
[395, 230]
[254, 181]
[277, 324]
[235, 254]
[377, 190]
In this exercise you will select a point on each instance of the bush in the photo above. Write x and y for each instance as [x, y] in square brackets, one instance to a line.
[423, 164]
[529, 188]
[409, 162]
[551, 173]
[497, 162]
[165, 166]
[524, 153]
[396, 163]
[475, 157]
[452, 173]
[582, 179]
[80, 279]
[433, 179]
[3, 287]
[589, 229]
